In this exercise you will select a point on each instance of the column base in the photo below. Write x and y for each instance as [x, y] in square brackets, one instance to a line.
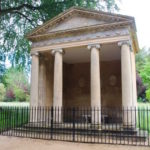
[129, 127]
[96, 126]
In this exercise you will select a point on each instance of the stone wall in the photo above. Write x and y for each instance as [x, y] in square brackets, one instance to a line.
[111, 84]
[76, 84]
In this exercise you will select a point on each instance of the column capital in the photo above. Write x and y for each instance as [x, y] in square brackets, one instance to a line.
[34, 53]
[60, 50]
[42, 56]
[127, 42]
[97, 46]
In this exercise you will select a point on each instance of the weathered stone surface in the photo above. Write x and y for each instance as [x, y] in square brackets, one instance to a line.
[73, 22]
[35, 80]
[83, 36]
[97, 83]
[76, 95]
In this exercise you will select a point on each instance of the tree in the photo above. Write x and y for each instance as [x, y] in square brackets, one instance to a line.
[141, 88]
[141, 58]
[17, 85]
[19, 17]
[143, 67]
[145, 75]
[2, 65]
[2, 92]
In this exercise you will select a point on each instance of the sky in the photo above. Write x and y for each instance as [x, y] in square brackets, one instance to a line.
[140, 10]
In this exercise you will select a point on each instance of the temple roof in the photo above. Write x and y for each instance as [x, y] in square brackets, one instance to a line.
[81, 20]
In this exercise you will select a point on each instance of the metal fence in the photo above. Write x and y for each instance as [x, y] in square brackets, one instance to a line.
[128, 126]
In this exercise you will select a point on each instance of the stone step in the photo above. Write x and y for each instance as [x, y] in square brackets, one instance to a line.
[139, 135]
[95, 128]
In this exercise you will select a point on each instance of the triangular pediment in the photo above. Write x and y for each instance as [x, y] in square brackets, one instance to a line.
[75, 18]
[76, 22]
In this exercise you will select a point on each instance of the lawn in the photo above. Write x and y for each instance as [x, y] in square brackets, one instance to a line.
[144, 105]
[11, 117]
[14, 104]
[143, 119]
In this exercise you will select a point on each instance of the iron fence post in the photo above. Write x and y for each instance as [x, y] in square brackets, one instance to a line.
[52, 122]
[73, 111]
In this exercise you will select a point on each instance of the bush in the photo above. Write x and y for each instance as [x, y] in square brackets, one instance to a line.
[2, 92]
[141, 88]
[148, 94]
[143, 78]
[20, 95]
[10, 96]
[17, 85]
[27, 98]
[140, 99]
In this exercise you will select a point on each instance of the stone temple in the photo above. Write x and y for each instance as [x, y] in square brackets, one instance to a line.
[84, 58]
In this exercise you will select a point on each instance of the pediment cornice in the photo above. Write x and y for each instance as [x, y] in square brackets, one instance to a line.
[82, 30]
[113, 19]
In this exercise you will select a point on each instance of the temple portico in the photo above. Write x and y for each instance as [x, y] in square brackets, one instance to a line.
[84, 58]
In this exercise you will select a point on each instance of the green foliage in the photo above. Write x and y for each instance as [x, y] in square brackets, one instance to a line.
[145, 73]
[19, 17]
[143, 67]
[140, 59]
[20, 95]
[2, 91]
[140, 99]
[148, 94]
[15, 77]
[2, 64]
[17, 85]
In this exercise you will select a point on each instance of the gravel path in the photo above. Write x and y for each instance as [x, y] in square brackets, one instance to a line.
[14, 143]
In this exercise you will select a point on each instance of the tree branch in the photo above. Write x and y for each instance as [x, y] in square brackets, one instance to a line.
[23, 15]
[26, 17]
[11, 9]
[0, 5]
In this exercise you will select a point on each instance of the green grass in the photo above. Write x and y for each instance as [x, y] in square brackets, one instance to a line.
[143, 116]
[14, 104]
[143, 105]
[13, 114]
[13, 117]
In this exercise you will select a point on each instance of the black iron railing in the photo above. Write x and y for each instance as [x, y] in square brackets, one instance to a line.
[129, 126]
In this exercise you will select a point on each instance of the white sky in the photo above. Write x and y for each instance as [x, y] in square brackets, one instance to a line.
[141, 11]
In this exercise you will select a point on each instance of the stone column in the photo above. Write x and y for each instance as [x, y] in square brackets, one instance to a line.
[95, 83]
[34, 84]
[134, 90]
[134, 80]
[42, 82]
[34, 79]
[58, 83]
[42, 88]
[127, 89]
